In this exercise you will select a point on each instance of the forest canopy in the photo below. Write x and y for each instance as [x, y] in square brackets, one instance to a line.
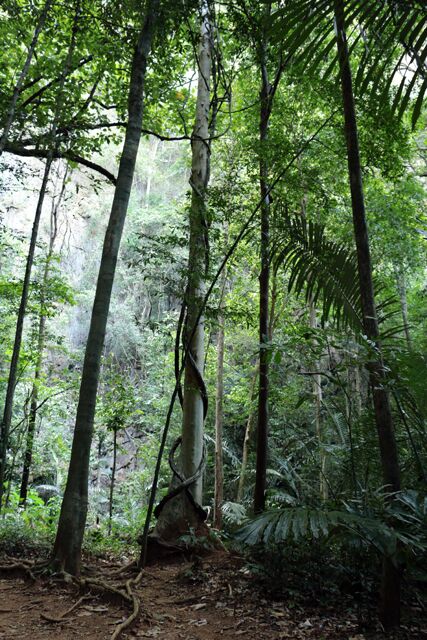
[213, 311]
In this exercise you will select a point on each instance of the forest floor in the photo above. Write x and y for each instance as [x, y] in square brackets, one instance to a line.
[213, 597]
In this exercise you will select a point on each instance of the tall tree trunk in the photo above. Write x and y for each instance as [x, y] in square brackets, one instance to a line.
[153, 147]
[390, 591]
[179, 513]
[192, 420]
[248, 434]
[13, 369]
[40, 349]
[264, 282]
[317, 395]
[69, 537]
[401, 287]
[219, 403]
[112, 483]
[11, 383]
[24, 71]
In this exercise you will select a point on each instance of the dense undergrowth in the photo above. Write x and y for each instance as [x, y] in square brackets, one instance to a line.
[303, 555]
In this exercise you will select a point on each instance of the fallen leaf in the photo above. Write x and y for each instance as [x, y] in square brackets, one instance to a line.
[306, 624]
[98, 609]
[198, 623]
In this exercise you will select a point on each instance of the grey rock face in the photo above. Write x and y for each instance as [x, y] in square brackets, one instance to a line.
[47, 491]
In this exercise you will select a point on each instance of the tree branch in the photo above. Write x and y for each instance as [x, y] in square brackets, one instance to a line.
[42, 89]
[18, 150]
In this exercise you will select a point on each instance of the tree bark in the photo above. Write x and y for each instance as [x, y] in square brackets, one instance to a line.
[179, 514]
[390, 591]
[67, 548]
[24, 71]
[40, 349]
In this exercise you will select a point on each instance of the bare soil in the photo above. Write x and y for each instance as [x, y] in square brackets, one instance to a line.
[213, 597]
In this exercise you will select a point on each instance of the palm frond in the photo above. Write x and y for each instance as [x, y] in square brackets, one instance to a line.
[393, 35]
[233, 513]
[325, 269]
[274, 527]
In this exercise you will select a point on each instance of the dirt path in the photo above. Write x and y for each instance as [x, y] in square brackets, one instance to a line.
[23, 603]
[204, 600]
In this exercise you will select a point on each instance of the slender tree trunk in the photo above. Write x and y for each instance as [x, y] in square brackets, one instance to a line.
[273, 317]
[219, 421]
[113, 479]
[264, 282]
[401, 287]
[192, 421]
[19, 84]
[11, 384]
[317, 395]
[13, 370]
[67, 549]
[219, 405]
[179, 514]
[151, 169]
[40, 349]
[390, 591]
[248, 434]
[267, 93]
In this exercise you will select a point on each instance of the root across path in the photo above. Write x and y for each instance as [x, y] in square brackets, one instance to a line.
[203, 599]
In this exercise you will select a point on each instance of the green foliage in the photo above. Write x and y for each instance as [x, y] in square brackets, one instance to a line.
[31, 528]
[314, 275]
[395, 528]
[306, 33]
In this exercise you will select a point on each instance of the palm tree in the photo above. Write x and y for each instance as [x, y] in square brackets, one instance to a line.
[310, 31]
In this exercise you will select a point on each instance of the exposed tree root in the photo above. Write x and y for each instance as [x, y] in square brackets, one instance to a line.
[66, 613]
[101, 585]
[132, 582]
[130, 565]
[123, 590]
[24, 566]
